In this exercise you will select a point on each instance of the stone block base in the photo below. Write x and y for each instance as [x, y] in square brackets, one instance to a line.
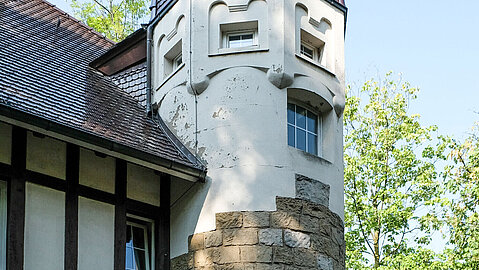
[299, 235]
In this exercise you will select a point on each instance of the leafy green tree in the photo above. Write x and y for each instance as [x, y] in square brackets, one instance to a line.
[116, 19]
[462, 210]
[389, 178]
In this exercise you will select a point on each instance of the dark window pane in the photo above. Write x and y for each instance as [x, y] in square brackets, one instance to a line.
[179, 61]
[312, 144]
[290, 113]
[138, 237]
[232, 38]
[248, 36]
[312, 122]
[140, 259]
[290, 135]
[301, 139]
[306, 51]
[300, 117]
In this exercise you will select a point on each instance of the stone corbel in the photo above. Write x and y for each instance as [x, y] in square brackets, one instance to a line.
[278, 77]
[199, 86]
[338, 104]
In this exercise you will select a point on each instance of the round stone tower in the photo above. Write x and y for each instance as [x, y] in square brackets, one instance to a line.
[255, 89]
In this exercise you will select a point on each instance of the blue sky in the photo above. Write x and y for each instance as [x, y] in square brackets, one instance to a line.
[434, 44]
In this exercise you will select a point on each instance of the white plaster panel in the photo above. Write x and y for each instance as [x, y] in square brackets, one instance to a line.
[44, 228]
[143, 185]
[46, 155]
[5, 143]
[96, 223]
[97, 172]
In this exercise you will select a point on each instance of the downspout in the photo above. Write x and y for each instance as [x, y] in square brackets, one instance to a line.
[149, 45]
[191, 76]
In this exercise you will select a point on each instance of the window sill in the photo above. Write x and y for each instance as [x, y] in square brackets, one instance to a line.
[171, 75]
[314, 63]
[250, 49]
[310, 156]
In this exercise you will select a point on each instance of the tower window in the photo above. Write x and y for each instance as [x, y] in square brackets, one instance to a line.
[307, 50]
[238, 40]
[311, 47]
[177, 61]
[138, 245]
[303, 129]
[239, 36]
[173, 59]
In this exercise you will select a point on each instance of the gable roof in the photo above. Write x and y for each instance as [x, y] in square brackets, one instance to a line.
[45, 80]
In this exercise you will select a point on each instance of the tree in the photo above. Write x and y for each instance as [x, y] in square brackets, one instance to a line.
[114, 18]
[389, 178]
[462, 210]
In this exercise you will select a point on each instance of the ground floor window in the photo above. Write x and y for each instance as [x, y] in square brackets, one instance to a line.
[139, 244]
[3, 225]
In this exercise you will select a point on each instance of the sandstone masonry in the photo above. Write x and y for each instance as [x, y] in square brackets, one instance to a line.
[299, 235]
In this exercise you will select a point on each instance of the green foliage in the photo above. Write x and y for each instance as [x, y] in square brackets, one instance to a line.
[114, 18]
[390, 178]
[462, 211]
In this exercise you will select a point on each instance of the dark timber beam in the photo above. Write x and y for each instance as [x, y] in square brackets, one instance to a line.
[120, 214]
[162, 224]
[16, 201]
[71, 207]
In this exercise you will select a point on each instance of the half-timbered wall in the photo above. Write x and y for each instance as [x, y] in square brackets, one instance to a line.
[68, 206]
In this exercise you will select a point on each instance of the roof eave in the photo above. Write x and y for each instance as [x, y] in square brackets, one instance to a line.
[198, 173]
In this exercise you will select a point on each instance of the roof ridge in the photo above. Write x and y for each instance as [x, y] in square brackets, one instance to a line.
[70, 17]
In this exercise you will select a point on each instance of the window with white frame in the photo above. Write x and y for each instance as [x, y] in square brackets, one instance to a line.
[177, 61]
[173, 59]
[3, 225]
[240, 39]
[139, 244]
[311, 47]
[239, 35]
[304, 129]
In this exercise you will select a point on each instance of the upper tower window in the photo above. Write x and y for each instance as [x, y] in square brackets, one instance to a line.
[239, 35]
[173, 59]
[303, 129]
[241, 39]
[177, 61]
[308, 51]
[311, 47]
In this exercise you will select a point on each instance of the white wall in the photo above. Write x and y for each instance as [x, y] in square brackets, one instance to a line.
[97, 172]
[44, 228]
[229, 107]
[96, 223]
[46, 155]
[143, 185]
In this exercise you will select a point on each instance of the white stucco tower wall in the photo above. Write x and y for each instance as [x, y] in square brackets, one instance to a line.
[229, 105]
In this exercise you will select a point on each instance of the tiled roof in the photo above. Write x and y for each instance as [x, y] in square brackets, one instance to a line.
[133, 81]
[44, 73]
